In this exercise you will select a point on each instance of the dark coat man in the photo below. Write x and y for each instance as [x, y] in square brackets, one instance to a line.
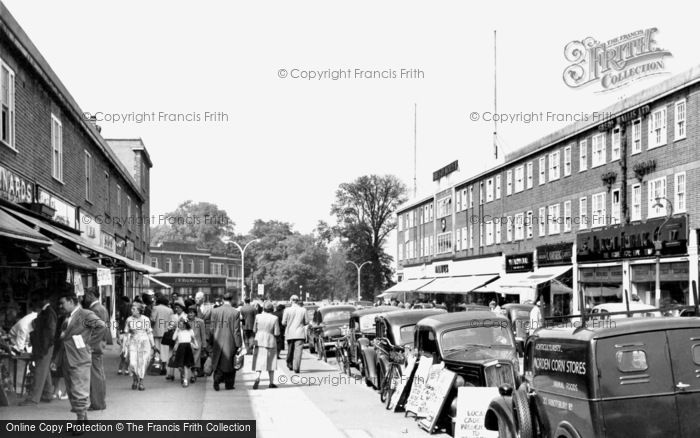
[248, 313]
[225, 342]
[42, 339]
[98, 381]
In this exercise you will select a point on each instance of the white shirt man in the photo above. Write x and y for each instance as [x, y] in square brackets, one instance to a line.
[19, 333]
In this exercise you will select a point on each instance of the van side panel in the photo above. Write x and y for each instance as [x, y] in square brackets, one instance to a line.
[685, 357]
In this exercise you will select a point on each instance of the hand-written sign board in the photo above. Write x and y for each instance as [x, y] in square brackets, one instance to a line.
[472, 404]
[426, 392]
[435, 392]
[417, 383]
[400, 394]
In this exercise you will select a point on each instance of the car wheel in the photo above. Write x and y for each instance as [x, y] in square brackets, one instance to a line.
[523, 415]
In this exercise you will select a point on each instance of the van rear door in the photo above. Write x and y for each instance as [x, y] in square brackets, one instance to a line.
[685, 358]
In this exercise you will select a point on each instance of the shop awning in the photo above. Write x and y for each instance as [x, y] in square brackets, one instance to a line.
[457, 285]
[72, 258]
[158, 282]
[78, 240]
[14, 229]
[524, 283]
[411, 285]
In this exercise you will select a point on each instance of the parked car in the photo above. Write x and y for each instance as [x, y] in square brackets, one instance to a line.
[613, 311]
[478, 346]
[360, 334]
[326, 326]
[393, 339]
[636, 377]
[519, 317]
[471, 307]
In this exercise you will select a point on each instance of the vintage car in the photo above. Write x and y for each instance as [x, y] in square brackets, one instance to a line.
[325, 327]
[618, 311]
[394, 333]
[629, 377]
[519, 317]
[360, 334]
[478, 346]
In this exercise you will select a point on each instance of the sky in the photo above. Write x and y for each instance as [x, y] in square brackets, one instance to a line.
[285, 142]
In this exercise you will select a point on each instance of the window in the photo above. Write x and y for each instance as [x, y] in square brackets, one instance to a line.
[498, 186]
[599, 210]
[444, 243]
[554, 163]
[431, 249]
[637, 202]
[519, 221]
[616, 213]
[631, 361]
[583, 213]
[471, 236]
[679, 125]
[190, 267]
[481, 193]
[471, 196]
[497, 224]
[481, 234]
[56, 148]
[529, 225]
[657, 128]
[567, 216]
[401, 252]
[567, 161]
[529, 175]
[400, 220]
[201, 267]
[154, 262]
[509, 182]
[519, 181]
[542, 222]
[458, 197]
[489, 190]
[615, 144]
[554, 219]
[444, 207]
[657, 189]
[458, 239]
[464, 238]
[679, 203]
[598, 150]
[180, 266]
[431, 212]
[229, 271]
[637, 136]
[88, 176]
[489, 233]
[542, 166]
[168, 265]
[582, 155]
[509, 229]
[7, 103]
[128, 212]
[107, 199]
[464, 199]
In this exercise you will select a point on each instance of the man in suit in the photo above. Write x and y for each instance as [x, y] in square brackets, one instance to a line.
[294, 320]
[225, 342]
[200, 353]
[79, 332]
[98, 381]
[248, 314]
[42, 339]
[160, 321]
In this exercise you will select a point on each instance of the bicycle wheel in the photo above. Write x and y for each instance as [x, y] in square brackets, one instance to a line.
[340, 358]
[394, 379]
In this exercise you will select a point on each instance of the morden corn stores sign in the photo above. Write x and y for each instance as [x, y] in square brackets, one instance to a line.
[614, 63]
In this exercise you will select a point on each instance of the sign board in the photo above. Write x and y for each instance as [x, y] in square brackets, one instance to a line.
[261, 289]
[553, 255]
[424, 396]
[443, 172]
[65, 212]
[400, 394]
[418, 382]
[104, 277]
[472, 404]
[14, 187]
[434, 394]
[519, 263]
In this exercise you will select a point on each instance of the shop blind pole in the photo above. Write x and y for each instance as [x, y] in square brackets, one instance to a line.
[658, 244]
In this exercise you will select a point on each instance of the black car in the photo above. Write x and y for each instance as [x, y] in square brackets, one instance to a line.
[478, 346]
[326, 326]
[519, 317]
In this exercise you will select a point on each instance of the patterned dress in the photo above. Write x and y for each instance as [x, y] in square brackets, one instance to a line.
[140, 339]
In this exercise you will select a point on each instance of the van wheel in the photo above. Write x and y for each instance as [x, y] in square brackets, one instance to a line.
[503, 431]
[523, 415]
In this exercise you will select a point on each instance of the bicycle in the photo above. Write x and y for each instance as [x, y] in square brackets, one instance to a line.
[341, 355]
[391, 379]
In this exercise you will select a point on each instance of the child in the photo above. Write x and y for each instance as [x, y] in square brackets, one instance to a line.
[184, 355]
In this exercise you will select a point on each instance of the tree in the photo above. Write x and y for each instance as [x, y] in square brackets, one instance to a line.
[201, 222]
[364, 210]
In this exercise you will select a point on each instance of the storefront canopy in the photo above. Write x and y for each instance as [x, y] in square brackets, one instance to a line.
[14, 229]
[78, 240]
[72, 258]
[524, 283]
[457, 285]
[411, 285]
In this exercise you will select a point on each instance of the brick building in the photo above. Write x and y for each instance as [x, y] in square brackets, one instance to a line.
[59, 176]
[188, 269]
[573, 216]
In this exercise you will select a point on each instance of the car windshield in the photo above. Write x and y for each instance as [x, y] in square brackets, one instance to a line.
[406, 334]
[469, 337]
[337, 316]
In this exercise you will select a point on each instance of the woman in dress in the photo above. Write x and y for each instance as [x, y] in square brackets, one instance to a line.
[140, 342]
[185, 344]
[177, 316]
[266, 330]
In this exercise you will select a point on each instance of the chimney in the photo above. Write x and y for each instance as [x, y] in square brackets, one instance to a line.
[93, 122]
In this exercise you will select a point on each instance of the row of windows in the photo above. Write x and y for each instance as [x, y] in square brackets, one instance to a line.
[189, 267]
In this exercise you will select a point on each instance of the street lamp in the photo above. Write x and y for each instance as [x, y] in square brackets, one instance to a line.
[359, 269]
[242, 250]
[658, 244]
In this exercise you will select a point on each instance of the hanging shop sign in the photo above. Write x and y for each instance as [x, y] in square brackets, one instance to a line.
[14, 187]
[552, 255]
[65, 212]
[104, 277]
[519, 263]
[624, 242]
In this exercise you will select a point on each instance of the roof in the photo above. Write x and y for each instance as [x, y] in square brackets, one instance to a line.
[136, 144]
[605, 329]
[460, 319]
[371, 310]
[403, 317]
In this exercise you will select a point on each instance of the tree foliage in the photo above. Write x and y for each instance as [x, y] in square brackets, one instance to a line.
[201, 222]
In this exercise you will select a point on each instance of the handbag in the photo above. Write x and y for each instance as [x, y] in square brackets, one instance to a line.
[168, 338]
[155, 366]
[208, 368]
[238, 361]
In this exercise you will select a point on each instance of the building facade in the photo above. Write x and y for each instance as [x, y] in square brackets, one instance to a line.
[578, 217]
[187, 269]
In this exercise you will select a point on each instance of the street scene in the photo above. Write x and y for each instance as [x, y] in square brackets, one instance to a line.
[377, 220]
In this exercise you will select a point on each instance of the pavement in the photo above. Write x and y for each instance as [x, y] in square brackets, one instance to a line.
[319, 402]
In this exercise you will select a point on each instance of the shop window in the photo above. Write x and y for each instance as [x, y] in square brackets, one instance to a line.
[631, 361]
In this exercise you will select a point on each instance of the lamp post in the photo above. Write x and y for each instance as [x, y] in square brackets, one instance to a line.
[359, 269]
[242, 250]
[658, 245]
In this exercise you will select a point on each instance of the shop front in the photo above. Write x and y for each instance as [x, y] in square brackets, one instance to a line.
[188, 285]
[554, 263]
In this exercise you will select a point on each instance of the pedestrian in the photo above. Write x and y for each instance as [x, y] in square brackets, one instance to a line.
[140, 344]
[494, 307]
[20, 342]
[535, 317]
[185, 344]
[203, 306]
[79, 332]
[179, 315]
[248, 314]
[123, 312]
[160, 322]
[200, 336]
[279, 312]
[42, 340]
[266, 328]
[98, 381]
[226, 342]
[59, 384]
[294, 320]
